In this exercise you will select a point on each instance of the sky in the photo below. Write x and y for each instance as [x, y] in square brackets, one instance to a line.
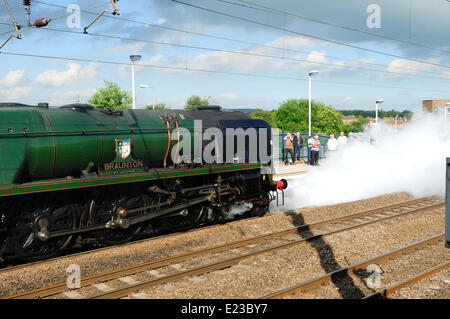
[241, 54]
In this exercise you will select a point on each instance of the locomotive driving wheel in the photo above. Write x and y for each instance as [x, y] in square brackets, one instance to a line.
[262, 208]
[102, 209]
[27, 219]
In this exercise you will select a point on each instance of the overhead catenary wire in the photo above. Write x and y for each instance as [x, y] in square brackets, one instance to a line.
[69, 14]
[7, 32]
[175, 68]
[146, 24]
[259, 7]
[308, 35]
[234, 73]
[334, 65]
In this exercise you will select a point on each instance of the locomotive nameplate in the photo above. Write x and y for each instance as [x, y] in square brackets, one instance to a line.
[122, 165]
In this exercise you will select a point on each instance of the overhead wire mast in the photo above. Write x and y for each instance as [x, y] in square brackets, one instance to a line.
[115, 12]
[38, 23]
[16, 26]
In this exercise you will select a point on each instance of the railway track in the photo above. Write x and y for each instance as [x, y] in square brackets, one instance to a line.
[386, 292]
[317, 282]
[94, 250]
[166, 270]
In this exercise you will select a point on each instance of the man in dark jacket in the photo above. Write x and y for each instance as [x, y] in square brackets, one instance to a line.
[297, 146]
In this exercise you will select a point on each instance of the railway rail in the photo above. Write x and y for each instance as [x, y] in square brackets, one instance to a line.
[314, 283]
[94, 250]
[152, 269]
[386, 292]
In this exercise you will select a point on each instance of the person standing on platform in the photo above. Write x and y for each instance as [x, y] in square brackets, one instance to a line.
[297, 146]
[332, 143]
[288, 147]
[315, 148]
[342, 139]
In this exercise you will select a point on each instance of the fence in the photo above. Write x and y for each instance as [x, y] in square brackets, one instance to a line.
[278, 144]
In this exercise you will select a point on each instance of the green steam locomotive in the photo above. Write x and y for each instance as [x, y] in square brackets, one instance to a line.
[76, 176]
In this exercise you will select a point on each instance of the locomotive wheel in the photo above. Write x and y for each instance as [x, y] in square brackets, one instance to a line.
[259, 210]
[101, 210]
[24, 219]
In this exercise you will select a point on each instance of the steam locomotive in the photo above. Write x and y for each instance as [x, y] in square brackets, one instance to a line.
[76, 176]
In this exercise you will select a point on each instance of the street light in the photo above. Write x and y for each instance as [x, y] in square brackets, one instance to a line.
[311, 74]
[145, 86]
[133, 58]
[379, 101]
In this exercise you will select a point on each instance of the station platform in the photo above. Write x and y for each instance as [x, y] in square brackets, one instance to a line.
[287, 171]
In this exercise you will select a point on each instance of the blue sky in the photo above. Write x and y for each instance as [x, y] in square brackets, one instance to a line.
[282, 76]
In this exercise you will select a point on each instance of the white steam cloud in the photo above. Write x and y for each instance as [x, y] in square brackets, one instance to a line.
[237, 210]
[410, 160]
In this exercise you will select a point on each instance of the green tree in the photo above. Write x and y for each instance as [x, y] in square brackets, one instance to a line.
[355, 126]
[111, 97]
[195, 101]
[328, 120]
[159, 106]
[293, 116]
[263, 115]
[407, 114]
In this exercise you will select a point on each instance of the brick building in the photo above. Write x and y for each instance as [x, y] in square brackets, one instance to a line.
[433, 106]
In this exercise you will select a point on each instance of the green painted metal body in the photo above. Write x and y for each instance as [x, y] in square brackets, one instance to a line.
[37, 143]
[94, 181]
[44, 150]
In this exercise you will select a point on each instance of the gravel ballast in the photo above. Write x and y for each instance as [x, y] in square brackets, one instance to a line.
[256, 276]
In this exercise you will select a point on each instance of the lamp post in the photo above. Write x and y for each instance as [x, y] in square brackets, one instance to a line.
[311, 74]
[379, 101]
[133, 58]
[145, 86]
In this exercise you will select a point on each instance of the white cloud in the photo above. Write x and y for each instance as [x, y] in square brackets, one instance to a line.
[68, 97]
[157, 22]
[12, 78]
[73, 73]
[15, 94]
[89, 72]
[317, 56]
[410, 67]
[347, 99]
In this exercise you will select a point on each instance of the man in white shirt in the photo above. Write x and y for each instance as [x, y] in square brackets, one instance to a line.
[342, 139]
[332, 143]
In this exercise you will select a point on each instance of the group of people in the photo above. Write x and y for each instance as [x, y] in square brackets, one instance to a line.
[292, 146]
